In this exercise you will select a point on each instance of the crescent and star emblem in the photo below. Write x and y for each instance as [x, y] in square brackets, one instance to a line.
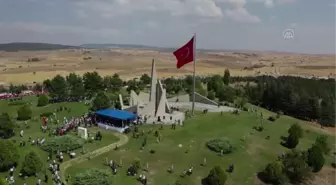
[186, 53]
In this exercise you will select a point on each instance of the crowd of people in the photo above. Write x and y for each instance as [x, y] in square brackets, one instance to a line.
[54, 165]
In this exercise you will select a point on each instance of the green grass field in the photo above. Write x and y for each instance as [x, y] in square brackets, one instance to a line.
[250, 157]
[35, 132]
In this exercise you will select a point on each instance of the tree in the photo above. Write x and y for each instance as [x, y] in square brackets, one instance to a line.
[6, 126]
[58, 87]
[328, 112]
[145, 79]
[93, 83]
[274, 173]
[101, 101]
[76, 86]
[93, 176]
[24, 113]
[292, 141]
[215, 83]
[295, 166]
[211, 95]
[226, 78]
[240, 102]
[217, 176]
[9, 155]
[322, 143]
[116, 82]
[43, 100]
[132, 85]
[315, 158]
[32, 164]
[37, 87]
[47, 85]
[296, 130]
[225, 93]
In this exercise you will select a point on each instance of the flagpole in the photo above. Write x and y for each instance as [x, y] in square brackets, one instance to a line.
[193, 102]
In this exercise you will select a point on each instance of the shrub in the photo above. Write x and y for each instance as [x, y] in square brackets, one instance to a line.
[32, 164]
[333, 165]
[43, 100]
[63, 143]
[295, 166]
[271, 118]
[92, 177]
[315, 158]
[273, 173]
[292, 141]
[322, 142]
[6, 126]
[296, 130]
[9, 155]
[217, 176]
[24, 113]
[245, 108]
[219, 145]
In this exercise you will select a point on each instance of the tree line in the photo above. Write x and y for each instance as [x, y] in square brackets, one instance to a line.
[307, 99]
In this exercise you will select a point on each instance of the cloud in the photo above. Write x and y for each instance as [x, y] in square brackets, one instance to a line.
[239, 13]
[235, 3]
[37, 27]
[204, 10]
[267, 3]
[286, 1]
[113, 8]
[242, 15]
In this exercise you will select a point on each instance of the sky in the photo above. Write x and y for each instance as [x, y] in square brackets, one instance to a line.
[218, 24]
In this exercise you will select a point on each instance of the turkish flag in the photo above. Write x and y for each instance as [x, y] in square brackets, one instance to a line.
[185, 54]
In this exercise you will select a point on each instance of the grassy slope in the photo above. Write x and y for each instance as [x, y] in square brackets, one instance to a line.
[35, 132]
[250, 157]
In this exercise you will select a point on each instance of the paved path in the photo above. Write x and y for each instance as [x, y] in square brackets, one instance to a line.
[123, 139]
[201, 106]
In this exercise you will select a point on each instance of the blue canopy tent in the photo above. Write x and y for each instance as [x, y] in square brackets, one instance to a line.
[114, 119]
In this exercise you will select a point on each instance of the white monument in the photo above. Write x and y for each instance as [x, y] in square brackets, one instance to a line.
[154, 106]
[82, 132]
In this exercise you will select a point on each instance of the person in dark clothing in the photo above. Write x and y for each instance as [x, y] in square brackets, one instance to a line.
[45, 178]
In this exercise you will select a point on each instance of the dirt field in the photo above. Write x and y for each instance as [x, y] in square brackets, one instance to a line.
[15, 67]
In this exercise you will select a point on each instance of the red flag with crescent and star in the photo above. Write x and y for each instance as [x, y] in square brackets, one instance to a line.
[185, 54]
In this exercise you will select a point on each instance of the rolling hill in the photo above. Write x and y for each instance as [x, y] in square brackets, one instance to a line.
[26, 46]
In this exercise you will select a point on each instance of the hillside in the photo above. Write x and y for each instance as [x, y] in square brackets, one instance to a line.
[125, 46]
[25, 46]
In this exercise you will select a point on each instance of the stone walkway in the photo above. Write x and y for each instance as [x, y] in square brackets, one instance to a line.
[201, 107]
[123, 139]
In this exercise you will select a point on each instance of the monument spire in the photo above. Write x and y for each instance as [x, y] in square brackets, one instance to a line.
[152, 94]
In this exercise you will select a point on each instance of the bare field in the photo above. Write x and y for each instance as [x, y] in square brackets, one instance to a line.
[129, 63]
